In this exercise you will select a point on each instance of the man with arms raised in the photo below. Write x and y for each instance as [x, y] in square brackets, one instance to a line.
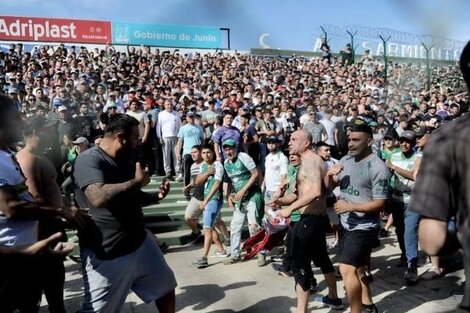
[309, 232]
[363, 179]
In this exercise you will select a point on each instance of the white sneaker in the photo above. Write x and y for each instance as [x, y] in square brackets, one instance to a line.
[179, 178]
[333, 245]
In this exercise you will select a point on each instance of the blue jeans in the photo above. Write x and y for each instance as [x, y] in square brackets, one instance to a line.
[406, 225]
[411, 236]
[263, 152]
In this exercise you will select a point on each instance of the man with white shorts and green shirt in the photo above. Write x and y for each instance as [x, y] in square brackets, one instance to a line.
[247, 202]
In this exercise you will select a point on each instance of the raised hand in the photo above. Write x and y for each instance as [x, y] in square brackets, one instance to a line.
[164, 189]
[141, 177]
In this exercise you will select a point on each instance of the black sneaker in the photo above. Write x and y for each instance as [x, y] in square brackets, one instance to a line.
[402, 262]
[280, 270]
[383, 233]
[369, 308]
[369, 277]
[313, 286]
[164, 247]
[335, 304]
[193, 238]
[411, 275]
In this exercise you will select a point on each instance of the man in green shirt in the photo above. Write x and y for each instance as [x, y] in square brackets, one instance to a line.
[247, 202]
[210, 174]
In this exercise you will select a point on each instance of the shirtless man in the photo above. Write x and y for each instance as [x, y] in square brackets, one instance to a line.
[310, 242]
[19, 276]
[41, 182]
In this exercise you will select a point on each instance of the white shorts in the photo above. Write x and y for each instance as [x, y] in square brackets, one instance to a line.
[192, 209]
[107, 282]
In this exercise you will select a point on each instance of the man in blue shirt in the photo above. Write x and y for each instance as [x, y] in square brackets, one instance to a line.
[189, 136]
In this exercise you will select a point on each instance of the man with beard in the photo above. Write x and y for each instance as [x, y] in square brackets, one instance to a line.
[117, 239]
[363, 180]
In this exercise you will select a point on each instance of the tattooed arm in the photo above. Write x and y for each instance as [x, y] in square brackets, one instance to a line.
[310, 183]
[100, 194]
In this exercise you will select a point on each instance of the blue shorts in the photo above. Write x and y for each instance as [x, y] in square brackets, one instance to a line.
[211, 211]
[107, 282]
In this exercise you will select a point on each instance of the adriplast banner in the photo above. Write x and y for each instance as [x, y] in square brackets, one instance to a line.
[166, 35]
[14, 28]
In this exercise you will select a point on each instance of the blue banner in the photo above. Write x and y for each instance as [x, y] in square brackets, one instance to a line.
[166, 35]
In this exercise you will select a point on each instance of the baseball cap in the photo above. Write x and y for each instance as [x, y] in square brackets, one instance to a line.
[408, 134]
[62, 108]
[420, 132]
[190, 114]
[230, 143]
[272, 139]
[80, 140]
[359, 125]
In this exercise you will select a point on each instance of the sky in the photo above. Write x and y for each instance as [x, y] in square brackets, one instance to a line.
[293, 25]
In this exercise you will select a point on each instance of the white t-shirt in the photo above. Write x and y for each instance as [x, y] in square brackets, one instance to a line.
[276, 167]
[330, 130]
[142, 117]
[14, 232]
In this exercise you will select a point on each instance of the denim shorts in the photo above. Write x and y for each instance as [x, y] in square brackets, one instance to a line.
[211, 212]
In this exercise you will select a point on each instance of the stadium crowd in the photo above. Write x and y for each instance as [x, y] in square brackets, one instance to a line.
[232, 127]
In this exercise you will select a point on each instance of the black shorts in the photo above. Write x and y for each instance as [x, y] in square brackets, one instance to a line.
[356, 246]
[309, 244]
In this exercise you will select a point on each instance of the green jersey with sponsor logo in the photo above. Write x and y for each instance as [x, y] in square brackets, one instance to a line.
[218, 175]
[239, 171]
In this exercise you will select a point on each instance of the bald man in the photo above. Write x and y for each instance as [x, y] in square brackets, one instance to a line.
[309, 232]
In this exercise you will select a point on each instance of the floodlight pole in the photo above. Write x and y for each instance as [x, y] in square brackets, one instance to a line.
[352, 45]
[385, 55]
[428, 66]
[325, 34]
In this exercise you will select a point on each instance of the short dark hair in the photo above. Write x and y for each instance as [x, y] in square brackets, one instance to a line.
[321, 144]
[8, 111]
[208, 147]
[198, 147]
[120, 123]
[35, 124]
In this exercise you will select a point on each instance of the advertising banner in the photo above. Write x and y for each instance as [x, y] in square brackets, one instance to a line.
[166, 35]
[54, 30]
